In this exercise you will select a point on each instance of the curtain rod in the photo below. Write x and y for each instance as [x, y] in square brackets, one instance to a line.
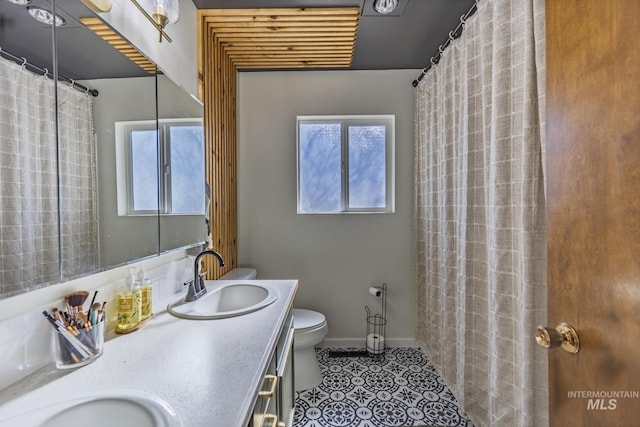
[456, 33]
[25, 64]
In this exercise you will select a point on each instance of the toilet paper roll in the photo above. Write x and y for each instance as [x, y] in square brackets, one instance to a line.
[375, 291]
[375, 343]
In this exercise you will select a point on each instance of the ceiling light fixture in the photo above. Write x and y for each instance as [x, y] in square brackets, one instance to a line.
[20, 2]
[45, 16]
[385, 6]
[98, 6]
[159, 13]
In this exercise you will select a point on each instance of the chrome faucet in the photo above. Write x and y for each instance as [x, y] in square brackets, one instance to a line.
[196, 286]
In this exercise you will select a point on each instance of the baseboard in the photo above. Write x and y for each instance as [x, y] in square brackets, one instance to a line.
[359, 343]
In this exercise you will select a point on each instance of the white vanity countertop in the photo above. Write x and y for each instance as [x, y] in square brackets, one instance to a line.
[208, 371]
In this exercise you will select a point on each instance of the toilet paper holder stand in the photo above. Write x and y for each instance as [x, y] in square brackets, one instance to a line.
[376, 323]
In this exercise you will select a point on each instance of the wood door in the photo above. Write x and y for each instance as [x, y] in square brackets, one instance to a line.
[593, 165]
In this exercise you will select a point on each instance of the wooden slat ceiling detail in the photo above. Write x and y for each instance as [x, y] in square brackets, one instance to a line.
[114, 39]
[285, 38]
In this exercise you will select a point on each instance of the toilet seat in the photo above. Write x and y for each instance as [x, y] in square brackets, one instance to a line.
[305, 321]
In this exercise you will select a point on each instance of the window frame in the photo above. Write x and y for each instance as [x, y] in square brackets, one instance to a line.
[388, 121]
[128, 129]
[124, 165]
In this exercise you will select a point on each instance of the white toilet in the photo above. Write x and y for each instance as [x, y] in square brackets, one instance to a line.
[240, 273]
[310, 328]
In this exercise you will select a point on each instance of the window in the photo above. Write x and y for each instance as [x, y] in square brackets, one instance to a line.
[345, 164]
[174, 147]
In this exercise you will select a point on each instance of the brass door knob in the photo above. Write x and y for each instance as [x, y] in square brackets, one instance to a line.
[564, 336]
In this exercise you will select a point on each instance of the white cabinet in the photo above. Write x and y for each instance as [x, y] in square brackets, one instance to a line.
[276, 397]
[265, 411]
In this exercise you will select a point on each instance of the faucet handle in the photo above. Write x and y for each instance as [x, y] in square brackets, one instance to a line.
[196, 289]
[191, 292]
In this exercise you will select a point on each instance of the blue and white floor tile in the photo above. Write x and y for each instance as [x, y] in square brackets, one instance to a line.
[400, 388]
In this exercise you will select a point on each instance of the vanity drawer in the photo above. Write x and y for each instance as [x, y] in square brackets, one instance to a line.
[266, 408]
[275, 403]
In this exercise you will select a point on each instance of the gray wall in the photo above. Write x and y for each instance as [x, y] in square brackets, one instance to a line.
[335, 257]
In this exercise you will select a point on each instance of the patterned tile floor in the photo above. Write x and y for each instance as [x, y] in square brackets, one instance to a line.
[400, 388]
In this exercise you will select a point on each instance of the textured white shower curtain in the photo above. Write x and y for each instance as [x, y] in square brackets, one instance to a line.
[480, 215]
[78, 184]
[28, 181]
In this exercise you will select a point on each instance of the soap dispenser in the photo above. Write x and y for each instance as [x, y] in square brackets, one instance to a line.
[129, 302]
[147, 297]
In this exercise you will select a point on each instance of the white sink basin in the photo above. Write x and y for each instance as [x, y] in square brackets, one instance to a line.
[123, 408]
[228, 300]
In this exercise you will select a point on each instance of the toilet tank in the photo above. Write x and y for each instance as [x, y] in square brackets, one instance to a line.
[240, 273]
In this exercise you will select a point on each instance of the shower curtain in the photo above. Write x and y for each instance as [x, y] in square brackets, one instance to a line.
[78, 184]
[480, 214]
[29, 241]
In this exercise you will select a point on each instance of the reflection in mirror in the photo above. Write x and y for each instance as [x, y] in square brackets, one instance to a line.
[122, 236]
[126, 92]
[147, 166]
[94, 238]
[78, 215]
[182, 138]
[28, 169]
[97, 234]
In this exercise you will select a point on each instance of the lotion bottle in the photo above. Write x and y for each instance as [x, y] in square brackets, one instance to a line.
[136, 290]
[129, 304]
[147, 295]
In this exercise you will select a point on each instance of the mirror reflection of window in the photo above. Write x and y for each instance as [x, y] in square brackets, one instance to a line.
[186, 142]
[181, 189]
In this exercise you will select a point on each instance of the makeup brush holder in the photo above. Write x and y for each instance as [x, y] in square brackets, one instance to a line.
[79, 347]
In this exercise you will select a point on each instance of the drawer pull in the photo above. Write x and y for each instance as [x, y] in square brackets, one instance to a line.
[271, 390]
[270, 420]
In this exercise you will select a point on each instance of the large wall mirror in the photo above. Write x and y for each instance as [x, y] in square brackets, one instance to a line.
[124, 178]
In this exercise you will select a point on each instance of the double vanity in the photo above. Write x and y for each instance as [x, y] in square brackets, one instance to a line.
[223, 360]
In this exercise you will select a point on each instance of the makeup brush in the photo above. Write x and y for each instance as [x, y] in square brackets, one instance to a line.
[93, 313]
[76, 299]
[93, 300]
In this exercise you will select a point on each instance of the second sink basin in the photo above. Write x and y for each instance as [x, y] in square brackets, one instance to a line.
[229, 300]
[122, 408]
